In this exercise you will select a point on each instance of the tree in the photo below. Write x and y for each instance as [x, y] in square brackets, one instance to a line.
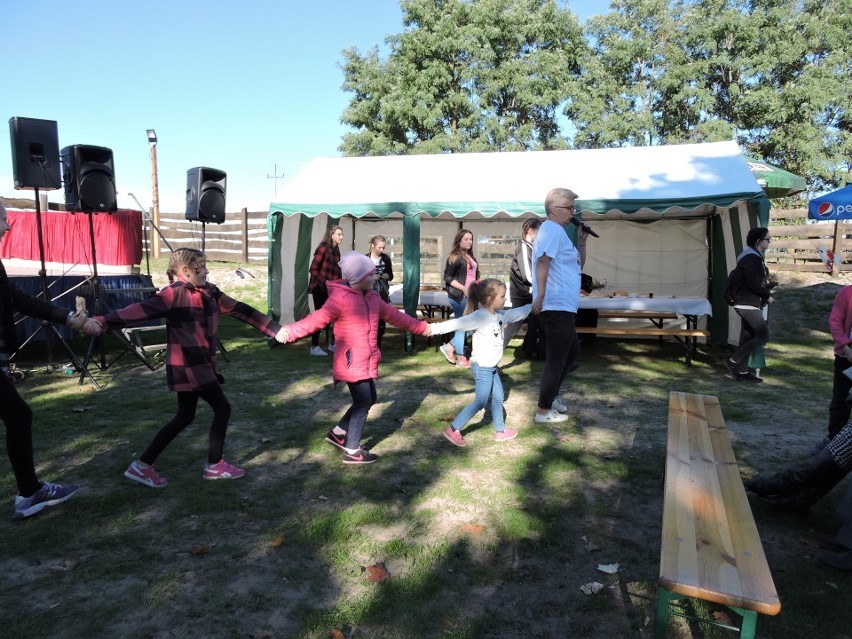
[464, 75]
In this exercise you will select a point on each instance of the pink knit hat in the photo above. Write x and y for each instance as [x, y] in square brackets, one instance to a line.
[356, 266]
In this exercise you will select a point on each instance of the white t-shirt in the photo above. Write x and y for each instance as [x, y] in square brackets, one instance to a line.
[562, 292]
[488, 331]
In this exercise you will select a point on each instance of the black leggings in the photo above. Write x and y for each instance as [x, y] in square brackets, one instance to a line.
[18, 418]
[187, 403]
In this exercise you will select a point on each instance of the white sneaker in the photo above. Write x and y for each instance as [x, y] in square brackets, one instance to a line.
[331, 347]
[550, 417]
[317, 351]
[558, 406]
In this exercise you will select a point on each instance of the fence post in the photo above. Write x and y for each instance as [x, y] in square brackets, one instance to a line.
[245, 236]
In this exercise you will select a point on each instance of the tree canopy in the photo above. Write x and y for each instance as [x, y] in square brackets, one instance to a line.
[506, 75]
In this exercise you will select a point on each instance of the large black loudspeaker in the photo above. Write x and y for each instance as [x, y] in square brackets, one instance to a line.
[89, 176]
[35, 153]
[205, 195]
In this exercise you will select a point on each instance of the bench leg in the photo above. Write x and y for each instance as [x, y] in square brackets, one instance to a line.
[749, 626]
[661, 620]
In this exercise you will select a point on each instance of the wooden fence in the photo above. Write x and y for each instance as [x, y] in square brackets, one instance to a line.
[242, 237]
[796, 242]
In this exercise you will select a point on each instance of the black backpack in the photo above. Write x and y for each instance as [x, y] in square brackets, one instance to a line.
[729, 286]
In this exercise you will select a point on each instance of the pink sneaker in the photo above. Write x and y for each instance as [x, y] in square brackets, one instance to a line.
[454, 436]
[222, 470]
[462, 361]
[145, 475]
[505, 435]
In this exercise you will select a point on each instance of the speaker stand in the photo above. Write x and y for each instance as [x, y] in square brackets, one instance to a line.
[99, 310]
[50, 329]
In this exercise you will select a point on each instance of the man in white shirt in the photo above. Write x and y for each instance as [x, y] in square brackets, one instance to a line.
[557, 265]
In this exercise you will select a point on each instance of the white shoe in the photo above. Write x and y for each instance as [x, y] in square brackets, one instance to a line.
[558, 406]
[550, 417]
[317, 351]
[331, 347]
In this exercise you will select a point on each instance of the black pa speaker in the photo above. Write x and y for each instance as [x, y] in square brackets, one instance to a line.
[205, 195]
[35, 153]
[89, 176]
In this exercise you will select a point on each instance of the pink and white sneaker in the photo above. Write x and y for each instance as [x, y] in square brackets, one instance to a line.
[222, 470]
[145, 475]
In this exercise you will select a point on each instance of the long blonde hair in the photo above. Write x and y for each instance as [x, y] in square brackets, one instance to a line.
[183, 257]
[481, 293]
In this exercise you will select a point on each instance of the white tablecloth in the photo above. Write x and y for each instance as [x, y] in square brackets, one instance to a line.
[427, 298]
[681, 305]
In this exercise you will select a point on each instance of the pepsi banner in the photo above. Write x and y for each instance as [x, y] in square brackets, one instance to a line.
[836, 205]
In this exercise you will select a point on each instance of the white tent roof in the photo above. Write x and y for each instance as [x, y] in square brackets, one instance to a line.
[628, 179]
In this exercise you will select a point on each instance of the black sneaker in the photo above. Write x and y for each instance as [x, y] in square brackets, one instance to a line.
[363, 456]
[336, 440]
[732, 368]
[749, 377]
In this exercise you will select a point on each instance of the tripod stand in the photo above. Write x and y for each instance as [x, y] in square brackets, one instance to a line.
[99, 304]
[50, 329]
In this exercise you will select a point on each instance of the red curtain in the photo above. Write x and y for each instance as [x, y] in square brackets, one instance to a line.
[118, 237]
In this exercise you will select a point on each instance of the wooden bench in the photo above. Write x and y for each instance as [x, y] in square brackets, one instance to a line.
[686, 336]
[710, 546]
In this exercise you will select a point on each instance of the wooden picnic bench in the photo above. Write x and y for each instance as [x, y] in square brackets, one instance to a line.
[710, 547]
[686, 336]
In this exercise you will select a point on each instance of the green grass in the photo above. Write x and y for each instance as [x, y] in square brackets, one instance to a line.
[123, 560]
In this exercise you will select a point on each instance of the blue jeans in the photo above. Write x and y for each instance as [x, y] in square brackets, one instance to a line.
[488, 384]
[458, 337]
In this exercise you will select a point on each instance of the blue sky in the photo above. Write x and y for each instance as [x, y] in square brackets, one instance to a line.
[251, 88]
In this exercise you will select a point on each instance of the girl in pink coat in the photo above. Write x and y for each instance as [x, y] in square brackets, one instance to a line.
[355, 308]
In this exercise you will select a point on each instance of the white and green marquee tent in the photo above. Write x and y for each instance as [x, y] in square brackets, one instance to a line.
[671, 218]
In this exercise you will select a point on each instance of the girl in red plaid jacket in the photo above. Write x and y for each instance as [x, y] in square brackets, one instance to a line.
[191, 307]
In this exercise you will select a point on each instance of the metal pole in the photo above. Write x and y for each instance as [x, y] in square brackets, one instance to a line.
[155, 198]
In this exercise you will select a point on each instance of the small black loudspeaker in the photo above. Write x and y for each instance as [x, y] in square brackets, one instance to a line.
[35, 154]
[205, 195]
[89, 176]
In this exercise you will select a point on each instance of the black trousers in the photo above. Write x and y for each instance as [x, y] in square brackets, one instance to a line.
[353, 420]
[187, 403]
[17, 416]
[839, 410]
[562, 350]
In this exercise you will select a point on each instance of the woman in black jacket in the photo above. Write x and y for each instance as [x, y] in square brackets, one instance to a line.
[460, 272]
[751, 292]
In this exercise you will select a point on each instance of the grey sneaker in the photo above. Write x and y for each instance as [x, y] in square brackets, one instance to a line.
[558, 406]
[47, 495]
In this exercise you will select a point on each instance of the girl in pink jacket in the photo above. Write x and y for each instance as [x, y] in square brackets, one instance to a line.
[355, 308]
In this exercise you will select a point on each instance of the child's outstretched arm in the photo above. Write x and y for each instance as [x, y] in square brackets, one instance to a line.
[319, 319]
[392, 315]
[470, 322]
[245, 313]
[516, 314]
[155, 307]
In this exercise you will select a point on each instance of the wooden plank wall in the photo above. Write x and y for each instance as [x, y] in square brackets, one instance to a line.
[242, 237]
[795, 241]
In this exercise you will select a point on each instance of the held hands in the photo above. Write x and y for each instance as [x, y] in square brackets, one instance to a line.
[82, 323]
[283, 336]
[427, 331]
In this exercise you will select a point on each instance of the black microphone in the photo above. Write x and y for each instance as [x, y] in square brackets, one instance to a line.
[585, 227]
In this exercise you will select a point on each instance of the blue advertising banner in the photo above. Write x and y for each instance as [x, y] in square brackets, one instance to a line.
[836, 205]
